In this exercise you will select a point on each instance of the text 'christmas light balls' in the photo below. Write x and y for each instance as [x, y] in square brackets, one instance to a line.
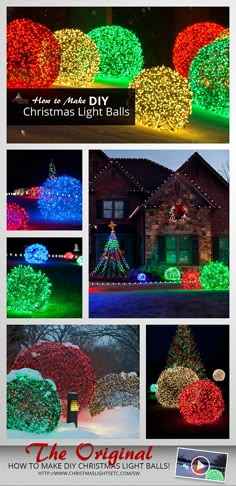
[33, 404]
[60, 199]
[214, 475]
[214, 276]
[163, 99]
[170, 384]
[17, 217]
[27, 289]
[218, 375]
[172, 274]
[190, 280]
[65, 364]
[120, 52]
[201, 403]
[36, 253]
[33, 55]
[209, 77]
[190, 40]
[79, 58]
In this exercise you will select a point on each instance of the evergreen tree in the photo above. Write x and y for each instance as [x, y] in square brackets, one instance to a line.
[52, 172]
[183, 352]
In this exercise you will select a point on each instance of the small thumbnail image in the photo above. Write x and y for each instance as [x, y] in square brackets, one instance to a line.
[44, 190]
[200, 464]
[44, 277]
[73, 382]
[187, 381]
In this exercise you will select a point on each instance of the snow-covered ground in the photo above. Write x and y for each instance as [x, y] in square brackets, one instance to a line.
[118, 423]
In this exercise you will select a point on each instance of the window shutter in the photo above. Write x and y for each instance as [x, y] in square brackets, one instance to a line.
[99, 205]
[215, 248]
[161, 249]
[195, 250]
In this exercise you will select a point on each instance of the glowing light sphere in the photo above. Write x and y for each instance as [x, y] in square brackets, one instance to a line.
[17, 217]
[190, 40]
[141, 277]
[69, 255]
[163, 99]
[27, 289]
[60, 199]
[79, 58]
[33, 55]
[214, 475]
[36, 253]
[65, 364]
[218, 375]
[79, 261]
[120, 52]
[201, 403]
[170, 384]
[214, 276]
[190, 280]
[209, 77]
[172, 274]
[33, 404]
[153, 388]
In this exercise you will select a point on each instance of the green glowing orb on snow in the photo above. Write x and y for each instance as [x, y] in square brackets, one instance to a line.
[27, 289]
[214, 276]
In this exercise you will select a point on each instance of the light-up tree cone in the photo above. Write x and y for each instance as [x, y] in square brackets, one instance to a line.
[183, 351]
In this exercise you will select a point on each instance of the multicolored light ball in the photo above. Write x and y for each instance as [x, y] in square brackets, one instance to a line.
[170, 384]
[190, 40]
[172, 274]
[214, 475]
[33, 55]
[79, 58]
[214, 276]
[120, 52]
[190, 280]
[163, 99]
[218, 375]
[201, 403]
[60, 199]
[36, 254]
[17, 217]
[27, 289]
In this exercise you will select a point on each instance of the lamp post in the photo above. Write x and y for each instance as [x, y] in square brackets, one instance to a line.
[72, 408]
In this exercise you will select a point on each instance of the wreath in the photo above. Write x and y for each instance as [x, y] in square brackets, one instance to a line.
[177, 213]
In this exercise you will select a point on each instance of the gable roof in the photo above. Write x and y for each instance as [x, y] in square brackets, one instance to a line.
[200, 159]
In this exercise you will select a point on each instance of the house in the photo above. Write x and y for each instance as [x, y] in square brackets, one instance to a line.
[163, 217]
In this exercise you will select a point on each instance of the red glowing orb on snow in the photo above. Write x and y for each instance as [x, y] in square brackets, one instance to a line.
[201, 403]
[190, 280]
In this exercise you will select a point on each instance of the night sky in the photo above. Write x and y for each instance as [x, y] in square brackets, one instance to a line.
[27, 168]
[58, 245]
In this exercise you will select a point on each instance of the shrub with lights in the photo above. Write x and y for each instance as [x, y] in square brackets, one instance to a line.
[190, 280]
[65, 364]
[214, 475]
[172, 274]
[163, 99]
[214, 276]
[36, 254]
[209, 77]
[60, 199]
[33, 55]
[28, 290]
[120, 52]
[79, 58]
[115, 390]
[190, 40]
[170, 384]
[33, 404]
[17, 217]
[201, 403]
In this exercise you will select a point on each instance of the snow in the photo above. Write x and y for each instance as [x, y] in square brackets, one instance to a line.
[69, 345]
[29, 374]
[118, 423]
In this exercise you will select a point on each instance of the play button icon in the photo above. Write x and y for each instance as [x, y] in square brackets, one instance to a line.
[200, 465]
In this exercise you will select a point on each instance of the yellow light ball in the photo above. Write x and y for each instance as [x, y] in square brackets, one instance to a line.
[219, 375]
[170, 384]
[79, 58]
[163, 99]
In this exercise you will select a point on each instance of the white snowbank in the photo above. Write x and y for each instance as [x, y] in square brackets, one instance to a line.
[29, 374]
[69, 345]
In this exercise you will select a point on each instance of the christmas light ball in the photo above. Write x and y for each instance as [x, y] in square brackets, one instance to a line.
[214, 475]
[60, 199]
[79, 261]
[33, 55]
[170, 384]
[27, 289]
[172, 274]
[190, 40]
[190, 280]
[79, 58]
[33, 404]
[214, 276]
[65, 364]
[218, 375]
[36, 253]
[209, 77]
[120, 52]
[163, 99]
[141, 277]
[153, 388]
[17, 217]
[69, 255]
[223, 35]
[201, 403]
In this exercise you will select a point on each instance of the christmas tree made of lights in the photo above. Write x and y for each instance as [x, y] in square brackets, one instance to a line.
[183, 352]
[52, 171]
[112, 263]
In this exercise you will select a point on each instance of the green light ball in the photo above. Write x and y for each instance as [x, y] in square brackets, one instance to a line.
[214, 475]
[209, 77]
[153, 388]
[172, 274]
[27, 289]
[120, 52]
[214, 276]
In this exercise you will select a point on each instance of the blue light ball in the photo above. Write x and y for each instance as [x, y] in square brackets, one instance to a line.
[36, 254]
[141, 277]
[60, 199]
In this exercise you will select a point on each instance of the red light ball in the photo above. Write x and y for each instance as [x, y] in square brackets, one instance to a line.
[190, 280]
[190, 40]
[17, 217]
[201, 403]
[33, 55]
[69, 256]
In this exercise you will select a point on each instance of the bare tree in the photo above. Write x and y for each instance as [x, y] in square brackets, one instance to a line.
[224, 170]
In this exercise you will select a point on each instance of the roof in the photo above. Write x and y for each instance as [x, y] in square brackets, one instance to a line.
[195, 156]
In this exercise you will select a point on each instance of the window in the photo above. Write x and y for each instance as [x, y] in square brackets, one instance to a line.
[178, 250]
[224, 250]
[113, 209]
